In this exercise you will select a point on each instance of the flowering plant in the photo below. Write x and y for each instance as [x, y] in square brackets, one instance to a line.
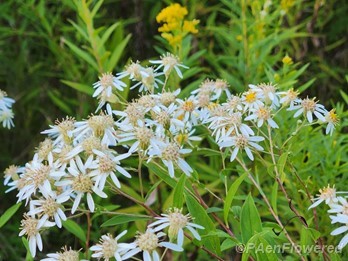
[134, 168]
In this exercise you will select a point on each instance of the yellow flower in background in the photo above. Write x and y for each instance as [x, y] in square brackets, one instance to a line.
[172, 13]
[287, 60]
[190, 26]
[174, 27]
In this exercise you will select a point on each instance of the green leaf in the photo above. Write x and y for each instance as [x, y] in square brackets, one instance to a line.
[250, 222]
[121, 219]
[59, 103]
[227, 244]
[230, 195]
[116, 54]
[178, 198]
[161, 173]
[201, 217]
[79, 87]
[281, 165]
[82, 54]
[8, 214]
[75, 229]
[274, 197]
[107, 34]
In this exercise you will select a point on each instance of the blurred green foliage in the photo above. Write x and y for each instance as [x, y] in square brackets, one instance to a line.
[52, 51]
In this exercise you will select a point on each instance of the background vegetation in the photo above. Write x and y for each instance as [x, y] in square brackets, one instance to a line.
[51, 53]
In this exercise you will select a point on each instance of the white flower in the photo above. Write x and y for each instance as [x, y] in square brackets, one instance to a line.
[103, 89]
[290, 98]
[101, 126]
[218, 88]
[260, 115]
[251, 99]
[148, 243]
[340, 207]
[12, 172]
[49, 207]
[170, 154]
[61, 131]
[241, 141]
[176, 222]
[149, 81]
[332, 120]
[135, 72]
[5, 101]
[187, 111]
[109, 247]
[269, 94]
[327, 194]
[169, 62]
[164, 118]
[81, 183]
[37, 176]
[65, 255]
[6, 116]
[308, 107]
[142, 136]
[341, 218]
[230, 122]
[108, 164]
[31, 227]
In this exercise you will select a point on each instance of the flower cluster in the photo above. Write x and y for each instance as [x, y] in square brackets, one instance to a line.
[148, 242]
[174, 28]
[337, 201]
[81, 160]
[6, 113]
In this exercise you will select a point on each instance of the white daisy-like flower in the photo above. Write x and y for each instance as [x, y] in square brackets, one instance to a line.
[148, 82]
[5, 101]
[148, 242]
[187, 111]
[223, 126]
[37, 176]
[290, 97]
[134, 115]
[218, 88]
[101, 126]
[86, 146]
[332, 120]
[108, 165]
[260, 115]
[341, 218]
[31, 228]
[176, 222]
[327, 195]
[65, 255]
[240, 142]
[12, 172]
[6, 117]
[61, 131]
[44, 150]
[142, 137]
[109, 248]
[251, 99]
[166, 98]
[103, 89]
[49, 207]
[308, 107]
[269, 94]
[171, 155]
[164, 118]
[135, 72]
[340, 207]
[80, 182]
[169, 62]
